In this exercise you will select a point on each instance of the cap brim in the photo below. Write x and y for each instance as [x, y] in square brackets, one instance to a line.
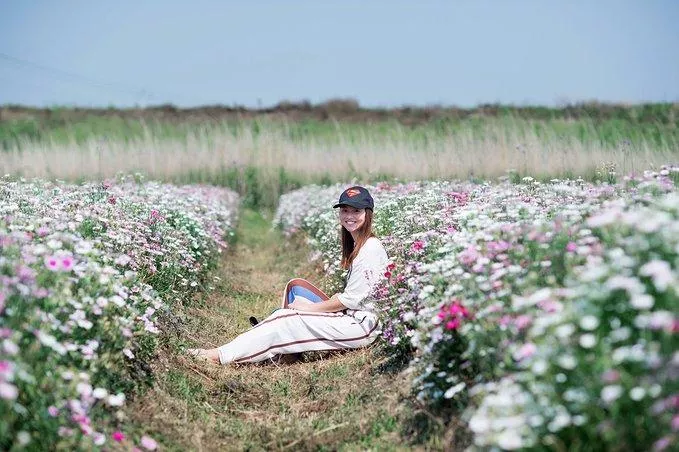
[359, 206]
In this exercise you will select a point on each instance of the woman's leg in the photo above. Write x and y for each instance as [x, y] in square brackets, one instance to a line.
[302, 287]
[290, 331]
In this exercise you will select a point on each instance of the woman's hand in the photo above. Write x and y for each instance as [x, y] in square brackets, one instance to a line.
[301, 305]
[331, 305]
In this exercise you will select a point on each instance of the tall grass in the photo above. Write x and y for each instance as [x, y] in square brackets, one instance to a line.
[263, 159]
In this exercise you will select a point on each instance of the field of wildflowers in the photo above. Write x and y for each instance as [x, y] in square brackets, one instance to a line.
[544, 314]
[86, 274]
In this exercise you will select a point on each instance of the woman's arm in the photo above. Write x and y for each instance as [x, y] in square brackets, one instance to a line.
[330, 305]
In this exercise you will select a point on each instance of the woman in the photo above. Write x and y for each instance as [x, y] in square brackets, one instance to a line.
[312, 321]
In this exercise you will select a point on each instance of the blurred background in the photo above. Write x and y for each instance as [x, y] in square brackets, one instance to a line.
[266, 96]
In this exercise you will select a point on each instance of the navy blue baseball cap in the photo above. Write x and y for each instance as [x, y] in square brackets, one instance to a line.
[357, 197]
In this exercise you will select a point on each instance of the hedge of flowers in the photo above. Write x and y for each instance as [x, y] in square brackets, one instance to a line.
[534, 309]
[86, 271]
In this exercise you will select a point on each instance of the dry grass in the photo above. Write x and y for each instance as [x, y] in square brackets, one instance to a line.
[329, 401]
[458, 155]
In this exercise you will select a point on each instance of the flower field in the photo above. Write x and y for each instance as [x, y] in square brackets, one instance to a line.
[546, 315]
[86, 274]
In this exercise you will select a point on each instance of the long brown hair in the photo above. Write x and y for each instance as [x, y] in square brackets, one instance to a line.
[349, 248]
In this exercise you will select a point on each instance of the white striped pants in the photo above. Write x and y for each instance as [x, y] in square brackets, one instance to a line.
[291, 331]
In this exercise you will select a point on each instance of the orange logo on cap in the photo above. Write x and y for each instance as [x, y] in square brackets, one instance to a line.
[353, 192]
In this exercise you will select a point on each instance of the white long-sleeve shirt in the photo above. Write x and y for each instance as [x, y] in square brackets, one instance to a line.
[364, 273]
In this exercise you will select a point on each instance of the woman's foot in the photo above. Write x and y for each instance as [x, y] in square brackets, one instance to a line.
[202, 354]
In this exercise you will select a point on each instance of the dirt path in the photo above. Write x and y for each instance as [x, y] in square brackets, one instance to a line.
[328, 401]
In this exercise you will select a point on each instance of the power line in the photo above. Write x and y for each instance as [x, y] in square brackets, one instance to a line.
[59, 73]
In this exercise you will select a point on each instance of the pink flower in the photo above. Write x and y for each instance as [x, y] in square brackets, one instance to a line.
[8, 391]
[662, 444]
[550, 306]
[66, 263]
[53, 411]
[523, 321]
[52, 263]
[571, 247]
[610, 376]
[469, 256]
[111, 199]
[417, 246]
[118, 436]
[505, 320]
[527, 350]
[155, 216]
[148, 443]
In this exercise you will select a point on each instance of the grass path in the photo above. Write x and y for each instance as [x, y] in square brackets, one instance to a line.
[330, 401]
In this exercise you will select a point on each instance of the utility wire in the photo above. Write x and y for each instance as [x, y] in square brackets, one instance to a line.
[118, 87]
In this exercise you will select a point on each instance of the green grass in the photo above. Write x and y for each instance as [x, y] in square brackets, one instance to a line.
[655, 125]
[263, 158]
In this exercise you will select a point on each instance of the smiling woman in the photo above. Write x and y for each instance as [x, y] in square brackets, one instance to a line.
[305, 323]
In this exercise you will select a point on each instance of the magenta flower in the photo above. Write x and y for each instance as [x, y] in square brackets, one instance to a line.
[417, 246]
[571, 247]
[453, 314]
[118, 436]
[453, 324]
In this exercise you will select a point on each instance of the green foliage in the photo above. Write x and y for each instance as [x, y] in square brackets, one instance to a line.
[655, 125]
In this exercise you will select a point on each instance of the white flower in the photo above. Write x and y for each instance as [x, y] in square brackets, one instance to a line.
[561, 420]
[568, 362]
[10, 347]
[642, 301]
[99, 393]
[611, 393]
[637, 393]
[84, 389]
[587, 341]
[479, 424]
[98, 438]
[509, 440]
[450, 393]
[565, 331]
[589, 323]
[631, 285]
[539, 367]
[116, 400]
[122, 260]
[23, 437]
[660, 272]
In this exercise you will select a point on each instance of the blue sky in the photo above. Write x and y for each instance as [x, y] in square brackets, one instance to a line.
[382, 53]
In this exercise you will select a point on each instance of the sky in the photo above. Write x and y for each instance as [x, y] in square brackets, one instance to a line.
[257, 53]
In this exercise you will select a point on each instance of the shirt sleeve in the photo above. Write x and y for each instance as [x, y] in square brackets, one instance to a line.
[366, 270]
